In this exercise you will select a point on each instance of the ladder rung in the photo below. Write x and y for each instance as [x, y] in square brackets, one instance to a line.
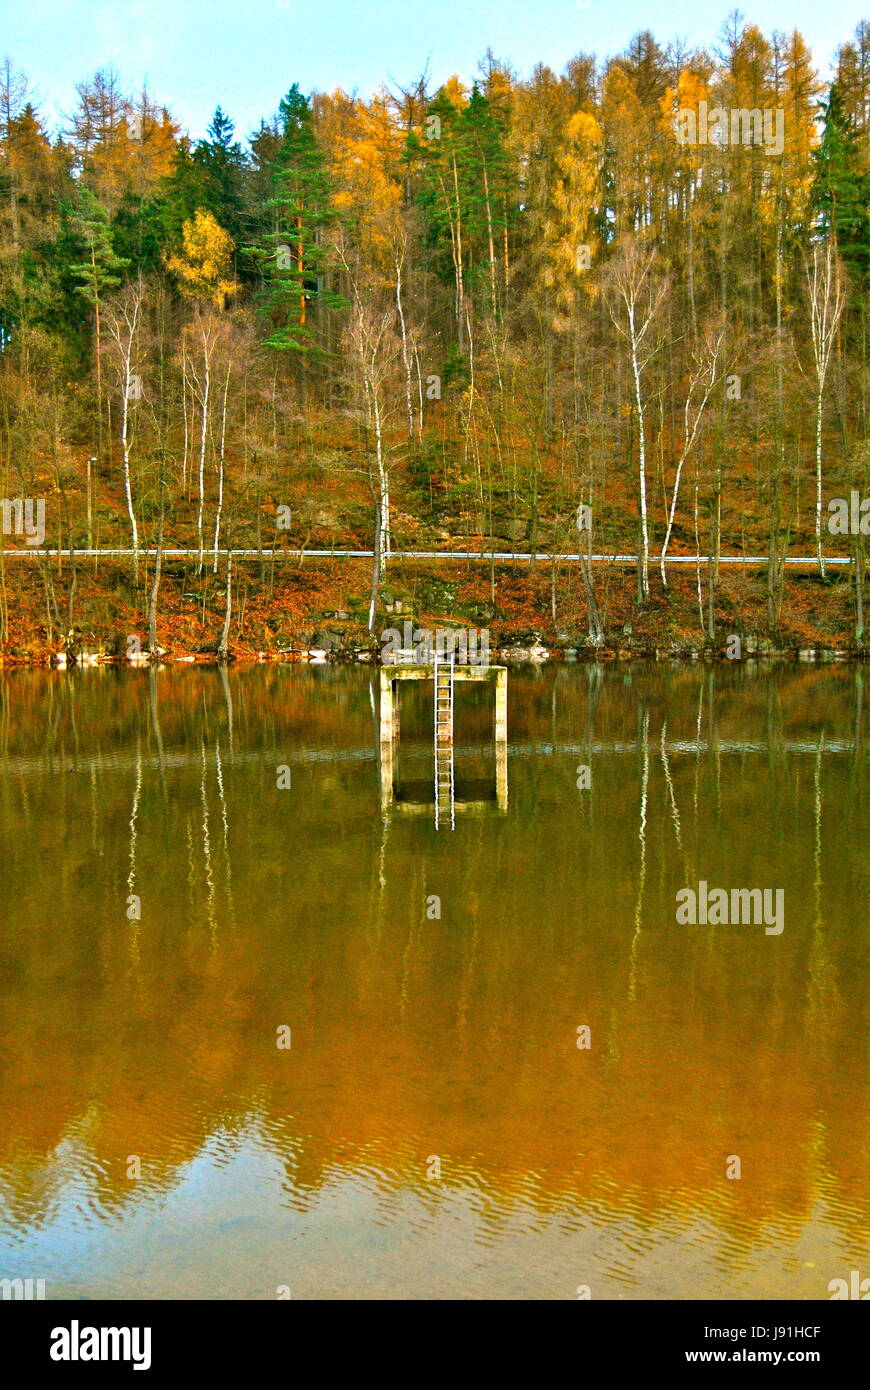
[444, 784]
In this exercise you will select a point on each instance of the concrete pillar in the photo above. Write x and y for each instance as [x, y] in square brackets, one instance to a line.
[501, 755]
[385, 764]
[386, 706]
[501, 707]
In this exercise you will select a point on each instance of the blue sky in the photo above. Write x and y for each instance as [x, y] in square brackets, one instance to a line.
[244, 55]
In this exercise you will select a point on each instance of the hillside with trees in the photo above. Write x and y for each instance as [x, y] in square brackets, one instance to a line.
[559, 315]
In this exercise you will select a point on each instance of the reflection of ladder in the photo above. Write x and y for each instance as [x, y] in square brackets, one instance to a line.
[444, 791]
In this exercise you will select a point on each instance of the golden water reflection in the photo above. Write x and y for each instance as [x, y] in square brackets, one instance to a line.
[417, 1038]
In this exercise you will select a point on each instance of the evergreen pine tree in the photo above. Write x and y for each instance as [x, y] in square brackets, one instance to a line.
[842, 190]
[296, 266]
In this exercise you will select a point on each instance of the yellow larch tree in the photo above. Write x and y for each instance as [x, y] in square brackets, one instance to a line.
[204, 269]
[569, 231]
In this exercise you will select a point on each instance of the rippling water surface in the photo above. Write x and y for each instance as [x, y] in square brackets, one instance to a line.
[433, 1130]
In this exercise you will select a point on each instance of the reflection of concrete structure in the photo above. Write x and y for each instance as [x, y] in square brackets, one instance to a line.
[444, 674]
[415, 799]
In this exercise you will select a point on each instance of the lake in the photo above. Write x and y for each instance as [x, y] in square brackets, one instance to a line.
[266, 1032]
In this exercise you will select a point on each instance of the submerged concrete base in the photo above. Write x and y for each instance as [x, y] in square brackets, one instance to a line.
[389, 718]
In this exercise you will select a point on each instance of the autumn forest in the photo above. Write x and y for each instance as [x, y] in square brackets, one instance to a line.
[619, 310]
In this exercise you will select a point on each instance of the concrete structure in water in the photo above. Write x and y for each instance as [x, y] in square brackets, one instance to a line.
[444, 674]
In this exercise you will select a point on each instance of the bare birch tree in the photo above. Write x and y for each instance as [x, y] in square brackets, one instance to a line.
[123, 324]
[221, 457]
[635, 296]
[826, 299]
[204, 332]
[375, 350]
[702, 378]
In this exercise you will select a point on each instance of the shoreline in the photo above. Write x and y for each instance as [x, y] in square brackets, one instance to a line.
[80, 617]
[511, 656]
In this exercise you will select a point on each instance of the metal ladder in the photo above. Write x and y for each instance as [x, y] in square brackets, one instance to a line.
[444, 784]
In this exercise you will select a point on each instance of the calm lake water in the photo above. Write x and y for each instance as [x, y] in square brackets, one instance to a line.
[419, 1041]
